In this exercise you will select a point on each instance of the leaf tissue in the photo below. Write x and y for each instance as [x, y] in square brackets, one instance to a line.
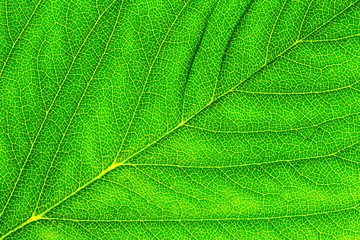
[179, 119]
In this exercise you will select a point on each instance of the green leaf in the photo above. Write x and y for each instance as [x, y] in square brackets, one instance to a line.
[179, 119]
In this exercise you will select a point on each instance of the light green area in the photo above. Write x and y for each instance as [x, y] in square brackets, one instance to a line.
[179, 119]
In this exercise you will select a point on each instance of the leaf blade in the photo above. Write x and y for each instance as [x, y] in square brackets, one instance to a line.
[260, 144]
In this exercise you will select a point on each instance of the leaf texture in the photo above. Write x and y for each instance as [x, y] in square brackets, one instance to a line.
[159, 119]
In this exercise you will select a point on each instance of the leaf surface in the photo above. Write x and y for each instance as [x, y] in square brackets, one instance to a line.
[202, 119]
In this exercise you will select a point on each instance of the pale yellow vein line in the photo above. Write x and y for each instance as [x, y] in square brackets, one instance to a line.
[272, 31]
[332, 40]
[7, 21]
[77, 107]
[304, 64]
[302, 93]
[252, 164]
[36, 217]
[273, 131]
[292, 46]
[328, 21]
[208, 220]
[248, 7]
[115, 165]
[303, 20]
[18, 38]
[122, 163]
[145, 83]
[20, 226]
[2, 70]
[46, 115]
[110, 168]
[204, 30]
